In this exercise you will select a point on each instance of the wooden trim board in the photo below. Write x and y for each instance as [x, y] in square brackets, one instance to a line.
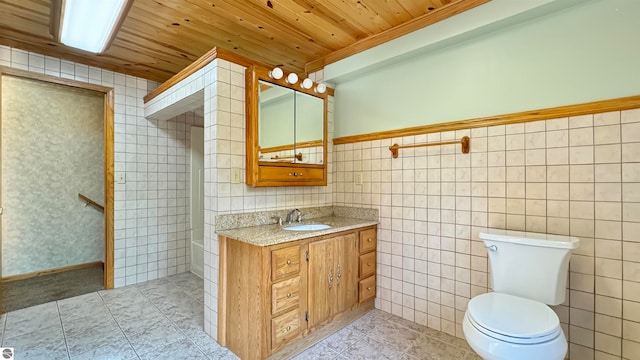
[51, 271]
[626, 103]
[108, 157]
[204, 60]
[369, 42]
[109, 189]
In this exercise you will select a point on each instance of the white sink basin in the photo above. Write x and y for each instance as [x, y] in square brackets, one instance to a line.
[307, 227]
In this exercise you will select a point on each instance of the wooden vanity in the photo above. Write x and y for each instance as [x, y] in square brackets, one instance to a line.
[279, 299]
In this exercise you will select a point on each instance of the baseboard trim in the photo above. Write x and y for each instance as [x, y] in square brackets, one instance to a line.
[51, 271]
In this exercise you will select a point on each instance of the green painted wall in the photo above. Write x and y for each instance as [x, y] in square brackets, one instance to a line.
[585, 53]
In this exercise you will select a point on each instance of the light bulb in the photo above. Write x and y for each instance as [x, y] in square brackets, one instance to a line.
[276, 73]
[321, 88]
[292, 78]
[306, 83]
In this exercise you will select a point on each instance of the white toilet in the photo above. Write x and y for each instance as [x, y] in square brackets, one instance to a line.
[528, 270]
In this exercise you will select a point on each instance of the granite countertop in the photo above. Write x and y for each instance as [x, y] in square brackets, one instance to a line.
[265, 235]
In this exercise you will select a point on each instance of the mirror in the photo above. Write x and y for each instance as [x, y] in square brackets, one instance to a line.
[286, 132]
[290, 125]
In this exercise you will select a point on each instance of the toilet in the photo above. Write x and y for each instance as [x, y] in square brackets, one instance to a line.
[528, 272]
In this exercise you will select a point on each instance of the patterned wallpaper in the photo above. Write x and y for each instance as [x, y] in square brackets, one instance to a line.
[46, 162]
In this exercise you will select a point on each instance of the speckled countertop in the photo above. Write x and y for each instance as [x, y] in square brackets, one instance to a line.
[271, 234]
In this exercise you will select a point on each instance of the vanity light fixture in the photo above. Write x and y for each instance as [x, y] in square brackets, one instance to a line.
[306, 83]
[321, 88]
[276, 73]
[91, 25]
[292, 78]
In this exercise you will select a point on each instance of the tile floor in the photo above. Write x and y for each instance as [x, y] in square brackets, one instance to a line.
[162, 319]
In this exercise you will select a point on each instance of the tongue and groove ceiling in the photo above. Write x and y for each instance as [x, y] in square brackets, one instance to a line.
[158, 38]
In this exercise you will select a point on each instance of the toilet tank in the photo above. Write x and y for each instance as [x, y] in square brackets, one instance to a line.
[529, 265]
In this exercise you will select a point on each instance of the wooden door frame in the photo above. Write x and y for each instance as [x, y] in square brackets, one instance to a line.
[108, 157]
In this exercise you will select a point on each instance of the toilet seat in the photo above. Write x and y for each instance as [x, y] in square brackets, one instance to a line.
[513, 319]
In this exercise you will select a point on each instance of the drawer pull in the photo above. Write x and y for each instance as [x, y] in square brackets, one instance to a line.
[288, 295]
[289, 328]
[288, 262]
[295, 174]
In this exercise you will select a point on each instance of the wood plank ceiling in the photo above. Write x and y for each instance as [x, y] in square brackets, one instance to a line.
[158, 38]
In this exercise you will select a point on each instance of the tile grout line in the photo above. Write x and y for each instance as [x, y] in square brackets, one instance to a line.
[171, 321]
[66, 344]
[119, 327]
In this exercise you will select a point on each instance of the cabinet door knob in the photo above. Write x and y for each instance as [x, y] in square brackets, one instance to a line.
[368, 264]
[288, 262]
[369, 288]
[288, 295]
[369, 239]
[289, 328]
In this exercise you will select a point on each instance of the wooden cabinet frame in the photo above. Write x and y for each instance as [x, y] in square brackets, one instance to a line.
[261, 174]
[253, 277]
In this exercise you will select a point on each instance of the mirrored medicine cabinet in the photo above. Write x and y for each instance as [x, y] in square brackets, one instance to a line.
[286, 132]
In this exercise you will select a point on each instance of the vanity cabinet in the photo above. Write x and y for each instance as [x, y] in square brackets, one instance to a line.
[271, 297]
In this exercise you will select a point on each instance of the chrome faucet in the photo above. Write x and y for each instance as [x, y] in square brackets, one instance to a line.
[291, 217]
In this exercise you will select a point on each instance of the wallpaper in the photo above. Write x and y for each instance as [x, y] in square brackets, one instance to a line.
[46, 162]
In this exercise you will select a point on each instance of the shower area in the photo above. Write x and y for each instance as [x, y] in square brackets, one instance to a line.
[175, 180]
[197, 201]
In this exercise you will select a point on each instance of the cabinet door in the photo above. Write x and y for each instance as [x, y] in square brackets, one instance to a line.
[346, 268]
[321, 280]
[333, 277]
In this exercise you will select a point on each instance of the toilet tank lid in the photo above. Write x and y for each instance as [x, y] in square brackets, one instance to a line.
[530, 238]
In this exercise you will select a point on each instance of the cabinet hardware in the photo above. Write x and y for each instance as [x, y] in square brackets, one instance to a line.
[307, 255]
[368, 264]
[330, 278]
[295, 174]
[288, 295]
[288, 262]
[306, 316]
[369, 288]
[289, 328]
[369, 239]
[339, 273]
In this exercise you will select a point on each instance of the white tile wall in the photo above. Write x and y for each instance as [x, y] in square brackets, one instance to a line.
[575, 176]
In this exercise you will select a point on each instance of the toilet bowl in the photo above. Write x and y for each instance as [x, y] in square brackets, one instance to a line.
[528, 272]
[506, 327]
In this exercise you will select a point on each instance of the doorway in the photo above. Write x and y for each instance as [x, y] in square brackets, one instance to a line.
[47, 231]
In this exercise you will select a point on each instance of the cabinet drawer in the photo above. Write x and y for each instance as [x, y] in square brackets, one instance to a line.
[285, 327]
[367, 288]
[367, 240]
[278, 173]
[285, 262]
[367, 264]
[285, 294]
